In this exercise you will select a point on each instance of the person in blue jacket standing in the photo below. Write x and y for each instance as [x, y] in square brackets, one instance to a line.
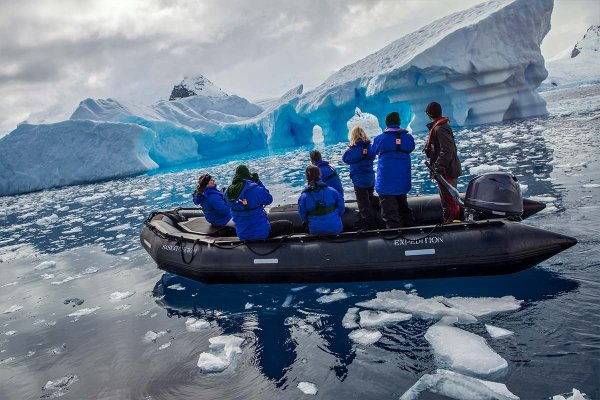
[320, 205]
[211, 200]
[247, 198]
[393, 147]
[360, 157]
[328, 174]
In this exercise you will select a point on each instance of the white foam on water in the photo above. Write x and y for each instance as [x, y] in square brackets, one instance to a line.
[151, 336]
[496, 332]
[12, 309]
[83, 311]
[10, 284]
[464, 351]
[481, 306]
[59, 387]
[349, 320]
[308, 388]
[411, 303]
[543, 199]
[365, 336]
[369, 319]
[337, 294]
[176, 286]
[575, 395]
[195, 324]
[591, 185]
[457, 386]
[117, 296]
[222, 350]
[123, 307]
[45, 265]
[47, 276]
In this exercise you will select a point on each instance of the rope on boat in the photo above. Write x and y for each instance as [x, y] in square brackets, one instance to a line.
[399, 235]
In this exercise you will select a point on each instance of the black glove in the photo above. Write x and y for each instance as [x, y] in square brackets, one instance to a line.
[254, 177]
[441, 171]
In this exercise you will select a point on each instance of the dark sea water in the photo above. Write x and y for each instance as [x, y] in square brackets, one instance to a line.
[131, 340]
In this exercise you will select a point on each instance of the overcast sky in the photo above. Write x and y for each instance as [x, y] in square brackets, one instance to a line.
[54, 53]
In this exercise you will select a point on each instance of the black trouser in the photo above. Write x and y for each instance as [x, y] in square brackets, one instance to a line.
[281, 227]
[395, 211]
[366, 202]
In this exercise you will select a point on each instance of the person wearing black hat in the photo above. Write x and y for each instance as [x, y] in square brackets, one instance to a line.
[247, 198]
[440, 148]
[393, 180]
[211, 200]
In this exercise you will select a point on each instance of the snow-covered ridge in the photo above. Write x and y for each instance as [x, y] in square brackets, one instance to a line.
[483, 65]
[576, 66]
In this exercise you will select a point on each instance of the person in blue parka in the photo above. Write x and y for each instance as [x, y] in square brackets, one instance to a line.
[247, 198]
[320, 205]
[328, 174]
[211, 200]
[359, 156]
[393, 147]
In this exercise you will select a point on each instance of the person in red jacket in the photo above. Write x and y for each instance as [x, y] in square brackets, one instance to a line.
[443, 157]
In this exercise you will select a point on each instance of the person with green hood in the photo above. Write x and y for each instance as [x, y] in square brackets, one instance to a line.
[247, 198]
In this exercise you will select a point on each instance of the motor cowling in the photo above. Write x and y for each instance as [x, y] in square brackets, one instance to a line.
[493, 195]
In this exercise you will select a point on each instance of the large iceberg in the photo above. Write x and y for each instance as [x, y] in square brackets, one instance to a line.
[483, 65]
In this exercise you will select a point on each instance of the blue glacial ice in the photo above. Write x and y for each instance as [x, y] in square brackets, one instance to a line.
[482, 64]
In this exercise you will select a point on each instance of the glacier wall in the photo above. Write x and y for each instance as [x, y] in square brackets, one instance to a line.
[483, 65]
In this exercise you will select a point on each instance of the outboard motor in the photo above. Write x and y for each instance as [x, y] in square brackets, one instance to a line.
[493, 195]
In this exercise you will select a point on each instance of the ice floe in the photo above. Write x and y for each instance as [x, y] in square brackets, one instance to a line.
[349, 320]
[288, 300]
[307, 388]
[83, 311]
[399, 300]
[575, 395]
[47, 276]
[176, 286]
[195, 324]
[117, 296]
[151, 336]
[457, 386]
[75, 301]
[59, 387]
[464, 351]
[481, 169]
[164, 346]
[337, 294]
[481, 306]
[322, 290]
[45, 265]
[591, 185]
[10, 333]
[365, 336]
[369, 319]
[496, 332]
[220, 355]
[44, 221]
[12, 309]
[248, 306]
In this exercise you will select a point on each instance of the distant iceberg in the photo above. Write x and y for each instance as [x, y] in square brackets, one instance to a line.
[482, 64]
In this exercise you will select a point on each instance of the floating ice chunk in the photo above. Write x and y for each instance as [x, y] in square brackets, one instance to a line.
[576, 395]
[457, 386]
[90, 270]
[195, 324]
[349, 320]
[524, 187]
[10, 284]
[337, 294]
[12, 309]
[59, 387]
[543, 199]
[408, 286]
[308, 388]
[322, 290]
[123, 307]
[83, 311]
[481, 169]
[591, 185]
[463, 351]
[506, 145]
[164, 346]
[118, 228]
[44, 221]
[67, 279]
[176, 286]
[370, 319]
[297, 289]
[480, 306]
[365, 336]
[45, 265]
[399, 300]
[222, 350]
[248, 306]
[117, 296]
[10, 333]
[496, 332]
[47, 276]
[151, 336]
[288, 300]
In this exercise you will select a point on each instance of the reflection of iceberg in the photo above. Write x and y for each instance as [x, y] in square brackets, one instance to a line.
[483, 64]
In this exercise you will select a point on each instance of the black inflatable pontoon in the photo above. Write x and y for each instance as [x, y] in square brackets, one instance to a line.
[182, 242]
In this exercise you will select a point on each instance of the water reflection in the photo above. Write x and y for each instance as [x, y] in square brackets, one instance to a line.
[274, 320]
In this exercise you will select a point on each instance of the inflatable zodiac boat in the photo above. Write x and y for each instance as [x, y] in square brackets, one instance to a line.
[492, 240]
